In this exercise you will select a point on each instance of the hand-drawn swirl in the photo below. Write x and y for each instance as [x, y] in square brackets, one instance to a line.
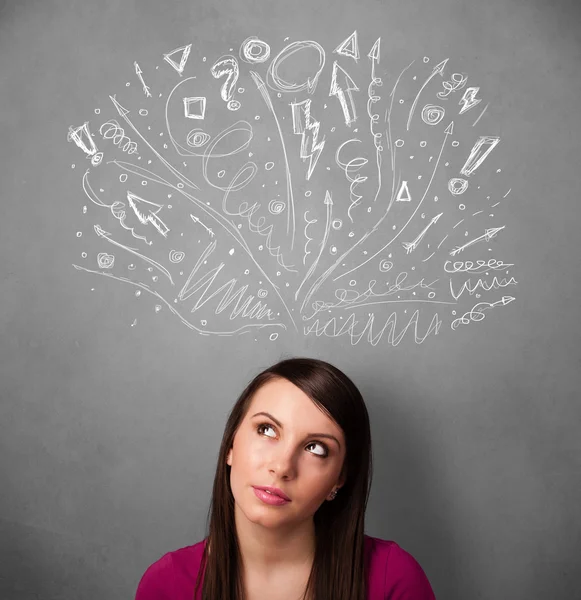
[432, 114]
[276, 207]
[457, 185]
[253, 50]
[197, 138]
[115, 132]
[385, 266]
[105, 261]
[176, 256]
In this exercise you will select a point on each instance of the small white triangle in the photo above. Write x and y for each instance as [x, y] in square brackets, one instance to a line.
[179, 67]
[349, 47]
[404, 190]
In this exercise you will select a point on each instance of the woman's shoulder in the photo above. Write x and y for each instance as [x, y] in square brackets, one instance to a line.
[171, 575]
[394, 572]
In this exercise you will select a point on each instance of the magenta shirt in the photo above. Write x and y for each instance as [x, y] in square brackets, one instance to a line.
[394, 574]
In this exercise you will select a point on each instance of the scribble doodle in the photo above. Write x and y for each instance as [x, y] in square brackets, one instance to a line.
[213, 237]
[111, 130]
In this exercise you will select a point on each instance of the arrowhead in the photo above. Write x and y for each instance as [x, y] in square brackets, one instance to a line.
[346, 81]
[440, 68]
[137, 68]
[437, 217]
[122, 111]
[450, 128]
[328, 199]
[101, 232]
[374, 52]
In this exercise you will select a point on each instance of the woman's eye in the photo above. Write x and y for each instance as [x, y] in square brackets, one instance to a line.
[264, 426]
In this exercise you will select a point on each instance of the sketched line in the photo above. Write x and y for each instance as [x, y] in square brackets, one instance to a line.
[480, 116]
[240, 330]
[460, 221]
[106, 236]
[329, 203]
[507, 193]
[438, 70]
[328, 272]
[432, 254]
[442, 241]
[289, 189]
[495, 205]
[449, 130]
[398, 302]
[309, 239]
[216, 216]
[477, 213]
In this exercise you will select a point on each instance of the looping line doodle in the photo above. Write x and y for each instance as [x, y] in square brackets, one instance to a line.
[213, 237]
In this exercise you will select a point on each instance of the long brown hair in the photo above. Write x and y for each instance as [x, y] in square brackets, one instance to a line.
[339, 570]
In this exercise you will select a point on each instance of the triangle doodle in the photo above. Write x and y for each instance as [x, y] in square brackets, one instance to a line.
[179, 67]
[404, 190]
[349, 47]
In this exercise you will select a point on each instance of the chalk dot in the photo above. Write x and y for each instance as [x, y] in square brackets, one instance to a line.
[308, 193]
[231, 252]
[260, 247]
[447, 164]
[165, 146]
[279, 95]
[84, 255]
[399, 143]
[138, 293]
[453, 312]
[181, 187]
[97, 111]
[455, 144]
[351, 234]
[462, 206]
[419, 176]
[498, 170]
[72, 166]
[246, 272]
[411, 157]
[143, 112]
[352, 282]
[273, 336]
[79, 234]
[394, 227]
[157, 308]
[369, 209]
[127, 84]
[268, 166]
[155, 278]
[401, 101]
[84, 209]
[123, 177]
[333, 128]
[221, 174]
[333, 250]
[431, 294]
[204, 59]
[204, 322]
[131, 267]
[423, 144]
[426, 59]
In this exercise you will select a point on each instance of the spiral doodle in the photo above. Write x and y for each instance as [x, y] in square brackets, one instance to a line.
[254, 50]
[262, 293]
[276, 207]
[115, 132]
[432, 114]
[176, 256]
[385, 266]
[197, 138]
[105, 261]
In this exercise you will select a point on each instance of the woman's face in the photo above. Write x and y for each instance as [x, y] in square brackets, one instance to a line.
[305, 467]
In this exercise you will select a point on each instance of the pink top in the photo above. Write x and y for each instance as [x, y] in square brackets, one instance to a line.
[394, 574]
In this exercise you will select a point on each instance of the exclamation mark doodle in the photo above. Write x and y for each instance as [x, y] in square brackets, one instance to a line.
[482, 148]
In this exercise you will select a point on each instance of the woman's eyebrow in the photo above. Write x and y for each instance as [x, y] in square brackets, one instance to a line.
[323, 435]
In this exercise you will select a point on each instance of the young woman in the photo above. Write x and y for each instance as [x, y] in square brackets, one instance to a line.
[288, 506]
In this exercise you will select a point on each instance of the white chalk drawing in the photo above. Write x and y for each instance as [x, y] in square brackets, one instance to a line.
[181, 54]
[283, 209]
[139, 74]
[349, 47]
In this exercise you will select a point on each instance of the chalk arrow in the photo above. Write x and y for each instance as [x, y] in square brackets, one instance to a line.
[139, 206]
[374, 52]
[341, 84]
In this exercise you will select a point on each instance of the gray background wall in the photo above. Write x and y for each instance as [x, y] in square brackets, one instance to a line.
[112, 410]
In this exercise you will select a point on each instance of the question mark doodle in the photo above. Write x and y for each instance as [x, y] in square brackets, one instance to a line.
[227, 65]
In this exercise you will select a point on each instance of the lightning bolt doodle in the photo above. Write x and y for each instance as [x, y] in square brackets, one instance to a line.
[308, 128]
